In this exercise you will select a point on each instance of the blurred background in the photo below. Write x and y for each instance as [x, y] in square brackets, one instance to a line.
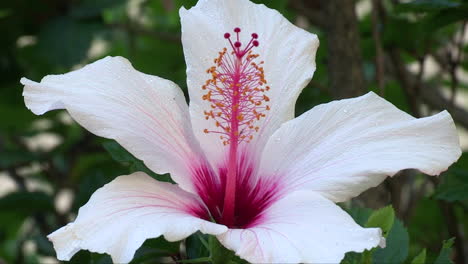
[413, 53]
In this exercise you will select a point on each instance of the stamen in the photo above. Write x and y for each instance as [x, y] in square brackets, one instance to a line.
[236, 90]
[236, 93]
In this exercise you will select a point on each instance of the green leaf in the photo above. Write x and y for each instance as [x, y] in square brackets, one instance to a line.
[13, 157]
[26, 202]
[44, 246]
[197, 260]
[454, 187]
[155, 249]
[88, 184]
[222, 255]
[352, 258]
[97, 258]
[396, 250]
[93, 8]
[382, 218]
[455, 182]
[360, 214]
[446, 17]
[195, 248]
[118, 153]
[81, 257]
[404, 33]
[279, 5]
[10, 234]
[426, 5]
[140, 166]
[66, 42]
[445, 252]
[420, 258]
[4, 13]
[219, 254]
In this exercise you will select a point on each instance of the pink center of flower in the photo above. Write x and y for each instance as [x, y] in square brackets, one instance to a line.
[236, 93]
[252, 198]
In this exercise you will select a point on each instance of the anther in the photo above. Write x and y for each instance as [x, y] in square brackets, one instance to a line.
[254, 35]
[237, 44]
[227, 35]
[255, 43]
[237, 30]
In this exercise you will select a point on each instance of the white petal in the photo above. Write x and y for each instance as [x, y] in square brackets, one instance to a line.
[303, 227]
[288, 52]
[146, 114]
[120, 216]
[344, 147]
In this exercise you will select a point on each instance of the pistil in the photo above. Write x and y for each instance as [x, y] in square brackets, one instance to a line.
[231, 179]
[236, 93]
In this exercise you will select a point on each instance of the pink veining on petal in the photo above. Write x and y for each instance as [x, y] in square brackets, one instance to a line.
[151, 200]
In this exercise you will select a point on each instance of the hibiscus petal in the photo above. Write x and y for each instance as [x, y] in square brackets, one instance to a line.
[344, 147]
[120, 216]
[288, 53]
[302, 227]
[147, 115]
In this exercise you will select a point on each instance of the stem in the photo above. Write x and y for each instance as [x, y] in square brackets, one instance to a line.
[231, 178]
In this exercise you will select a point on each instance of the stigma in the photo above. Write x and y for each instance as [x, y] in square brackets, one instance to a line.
[236, 90]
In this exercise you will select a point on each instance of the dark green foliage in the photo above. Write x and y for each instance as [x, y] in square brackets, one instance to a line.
[57, 36]
[420, 258]
[26, 202]
[454, 185]
[382, 218]
[444, 255]
[396, 236]
[121, 155]
[396, 250]
[197, 246]
[428, 5]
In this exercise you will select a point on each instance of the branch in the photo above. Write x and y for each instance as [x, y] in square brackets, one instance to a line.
[454, 231]
[345, 71]
[429, 94]
[436, 100]
[379, 57]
